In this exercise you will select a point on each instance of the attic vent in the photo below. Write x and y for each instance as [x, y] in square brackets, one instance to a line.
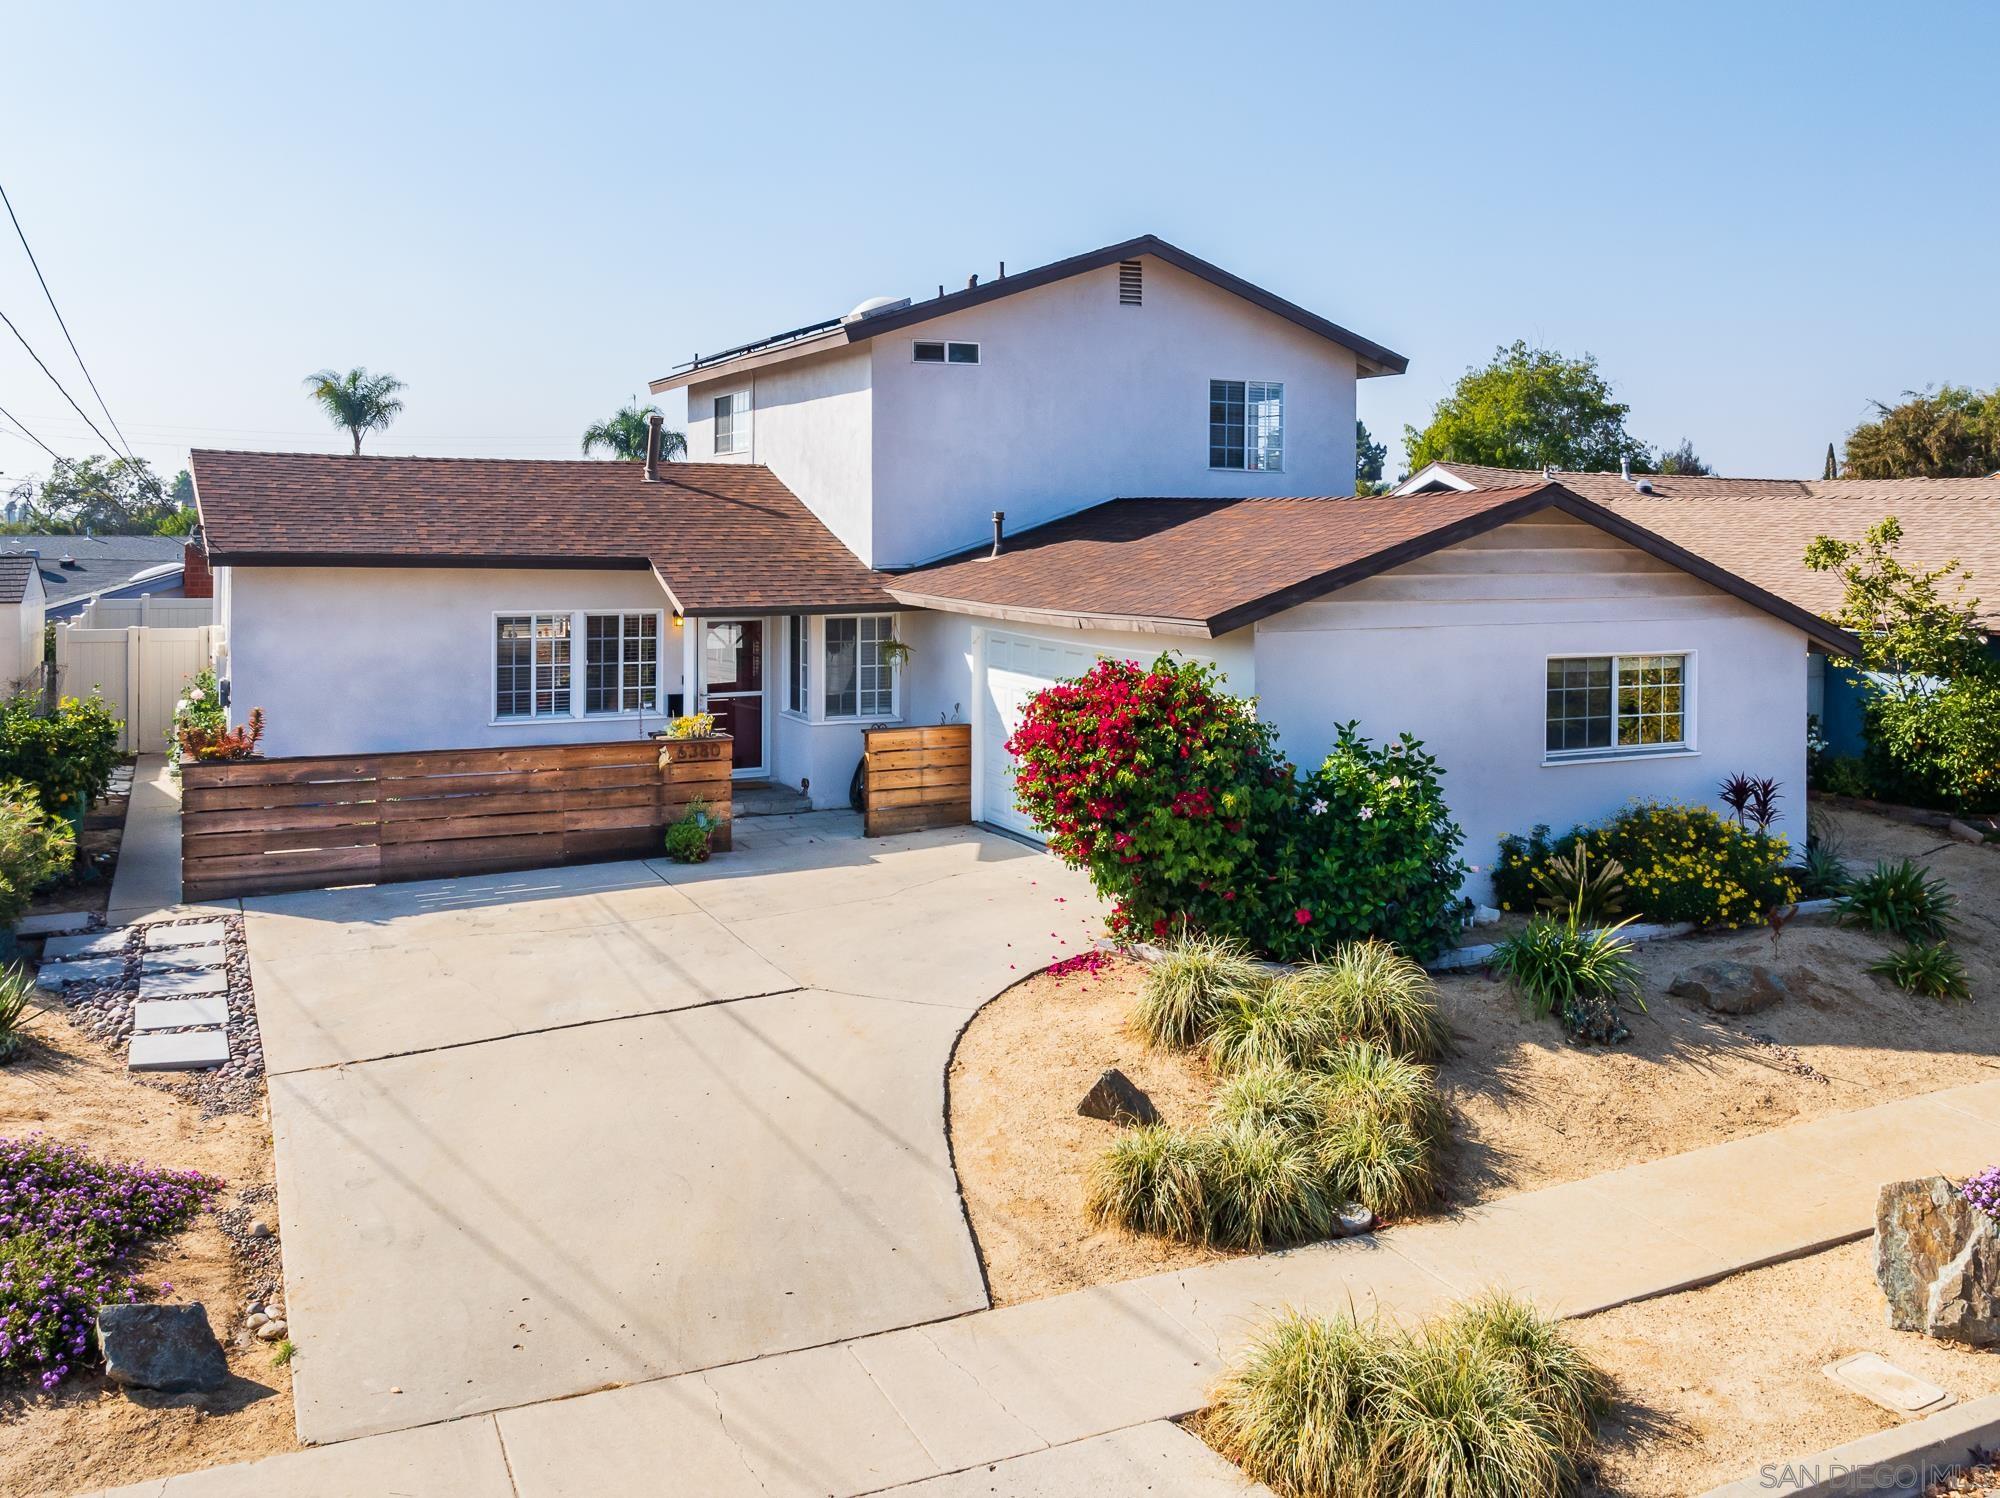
[1131, 283]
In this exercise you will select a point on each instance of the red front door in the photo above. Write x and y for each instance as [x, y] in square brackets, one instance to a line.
[732, 674]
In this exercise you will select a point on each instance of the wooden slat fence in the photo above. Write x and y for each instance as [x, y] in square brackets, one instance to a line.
[918, 777]
[259, 826]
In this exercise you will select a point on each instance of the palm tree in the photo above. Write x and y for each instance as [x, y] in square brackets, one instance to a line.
[357, 400]
[624, 435]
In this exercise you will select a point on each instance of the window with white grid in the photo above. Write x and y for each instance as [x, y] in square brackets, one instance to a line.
[1246, 425]
[860, 677]
[621, 655]
[1605, 703]
[531, 666]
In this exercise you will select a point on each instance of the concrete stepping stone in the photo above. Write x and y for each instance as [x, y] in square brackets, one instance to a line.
[97, 944]
[197, 934]
[55, 923]
[83, 970]
[1881, 1382]
[180, 1014]
[185, 1050]
[181, 960]
[182, 985]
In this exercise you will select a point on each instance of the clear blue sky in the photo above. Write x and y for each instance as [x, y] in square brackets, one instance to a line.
[1757, 217]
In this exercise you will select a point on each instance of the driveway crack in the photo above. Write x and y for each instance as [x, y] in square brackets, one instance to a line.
[722, 1424]
[979, 1383]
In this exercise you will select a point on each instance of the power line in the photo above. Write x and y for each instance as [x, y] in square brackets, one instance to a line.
[23, 237]
[59, 385]
[30, 435]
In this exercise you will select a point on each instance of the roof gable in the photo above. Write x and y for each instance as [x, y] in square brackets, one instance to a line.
[1372, 357]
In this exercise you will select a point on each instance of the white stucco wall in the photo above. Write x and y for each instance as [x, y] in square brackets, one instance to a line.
[1454, 648]
[354, 659]
[30, 616]
[809, 425]
[1077, 399]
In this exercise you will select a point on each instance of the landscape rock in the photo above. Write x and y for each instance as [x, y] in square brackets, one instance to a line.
[1963, 832]
[1729, 987]
[260, 1229]
[1113, 1098]
[1937, 1259]
[168, 1348]
[270, 1331]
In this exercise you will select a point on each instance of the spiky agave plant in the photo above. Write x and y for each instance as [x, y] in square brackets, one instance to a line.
[16, 1012]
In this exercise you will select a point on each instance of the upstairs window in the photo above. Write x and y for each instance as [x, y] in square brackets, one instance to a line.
[531, 666]
[860, 678]
[945, 353]
[1246, 425]
[1615, 703]
[732, 422]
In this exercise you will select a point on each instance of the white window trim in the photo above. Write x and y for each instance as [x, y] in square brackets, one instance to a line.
[809, 642]
[817, 700]
[948, 344]
[742, 420]
[1685, 749]
[579, 665]
[1284, 425]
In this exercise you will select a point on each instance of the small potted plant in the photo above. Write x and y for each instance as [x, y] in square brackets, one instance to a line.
[690, 840]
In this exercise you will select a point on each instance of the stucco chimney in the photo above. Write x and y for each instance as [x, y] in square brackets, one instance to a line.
[653, 424]
[999, 530]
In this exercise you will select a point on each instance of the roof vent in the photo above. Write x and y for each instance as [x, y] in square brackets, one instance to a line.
[1644, 486]
[875, 306]
[69, 561]
[1131, 283]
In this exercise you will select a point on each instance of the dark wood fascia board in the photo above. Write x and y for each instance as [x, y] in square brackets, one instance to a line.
[1827, 636]
[728, 610]
[830, 341]
[1147, 624]
[528, 561]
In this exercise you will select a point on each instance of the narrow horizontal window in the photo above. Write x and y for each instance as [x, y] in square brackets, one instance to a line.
[945, 353]
[930, 353]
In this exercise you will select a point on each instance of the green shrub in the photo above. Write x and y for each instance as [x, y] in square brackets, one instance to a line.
[1490, 1400]
[16, 1013]
[1361, 1077]
[35, 848]
[1844, 775]
[1580, 975]
[1901, 898]
[1266, 1187]
[1195, 979]
[1932, 969]
[1286, 1023]
[689, 840]
[1679, 863]
[1175, 798]
[1153, 1179]
[67, 756]
[1281, 1097]
[1373, 992]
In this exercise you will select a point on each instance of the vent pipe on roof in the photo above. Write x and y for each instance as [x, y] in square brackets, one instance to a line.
[1003, 270]
[999, 530]
[1625, 469]
[972, 280]
[653, 424]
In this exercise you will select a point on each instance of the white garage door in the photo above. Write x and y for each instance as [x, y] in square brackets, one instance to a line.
[1017, 667]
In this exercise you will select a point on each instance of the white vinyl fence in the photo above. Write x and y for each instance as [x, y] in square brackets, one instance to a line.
[156, 612]
[141, 671]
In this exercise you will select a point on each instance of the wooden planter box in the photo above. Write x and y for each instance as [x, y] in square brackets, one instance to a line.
[259, 826]
[917, 777]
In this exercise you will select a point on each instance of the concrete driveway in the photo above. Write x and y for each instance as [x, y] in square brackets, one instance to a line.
[540, 1134]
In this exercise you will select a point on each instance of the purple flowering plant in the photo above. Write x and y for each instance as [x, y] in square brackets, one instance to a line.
[68, 1222]
[1983, 1190]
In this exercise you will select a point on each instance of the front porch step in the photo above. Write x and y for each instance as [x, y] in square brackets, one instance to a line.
[765, 798]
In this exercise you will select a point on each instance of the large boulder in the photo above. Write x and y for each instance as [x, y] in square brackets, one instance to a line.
[1114, 1098]
[1728, 987]
[1937, 1259]
[168, 1348]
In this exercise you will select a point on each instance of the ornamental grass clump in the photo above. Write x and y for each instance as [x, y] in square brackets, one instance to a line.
[1491, 1399]
[1286, 1023]
[1153, 1179]
[1195, 979]
[1266, 1187]
[1581, 975]
[1373, 992]
[69, 1223]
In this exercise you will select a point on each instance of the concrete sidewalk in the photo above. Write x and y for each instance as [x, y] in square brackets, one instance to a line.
[988, 1389]
[148, 878]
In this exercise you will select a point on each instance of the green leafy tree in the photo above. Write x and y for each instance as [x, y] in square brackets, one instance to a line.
[1950, 432]
[1369, 456]
[1683, 461]
[623, 436]
[107, 496]
[358, 401]
[1931, 687]
[1529, 408]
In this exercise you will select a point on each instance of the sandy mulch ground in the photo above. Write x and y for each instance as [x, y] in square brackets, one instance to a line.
[1528, 1109]
[89, 1434]
[1716, 1382]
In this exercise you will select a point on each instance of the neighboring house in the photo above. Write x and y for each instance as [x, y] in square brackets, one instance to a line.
[23, 605]
[1760, 528]
[75, 569]
[1557, 657]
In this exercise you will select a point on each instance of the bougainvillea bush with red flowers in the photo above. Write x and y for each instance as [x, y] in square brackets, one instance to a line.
[1177, 801]
[68, 1223]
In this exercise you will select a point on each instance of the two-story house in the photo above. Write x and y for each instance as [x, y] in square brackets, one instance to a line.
[925, 510]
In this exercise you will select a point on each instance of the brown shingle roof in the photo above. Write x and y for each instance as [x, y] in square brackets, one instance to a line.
[723, 536]
[1207, 566]
[14, 574]
[1760, 528]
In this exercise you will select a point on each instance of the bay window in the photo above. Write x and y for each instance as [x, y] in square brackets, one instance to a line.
[859, 677]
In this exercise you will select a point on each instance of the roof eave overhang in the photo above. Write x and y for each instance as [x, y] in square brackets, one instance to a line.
[220, 556]
[1151, 624]
[835, 338]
